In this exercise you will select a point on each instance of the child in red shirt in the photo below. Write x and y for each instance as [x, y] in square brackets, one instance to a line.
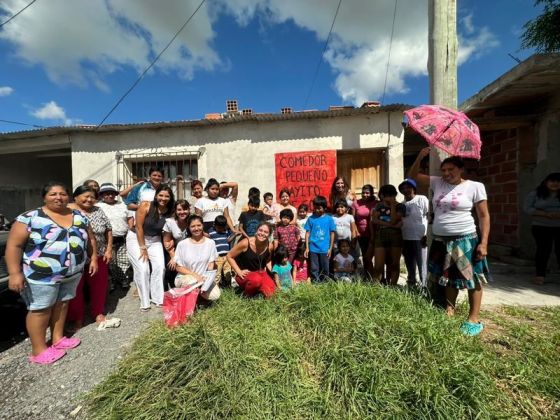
[287, 234]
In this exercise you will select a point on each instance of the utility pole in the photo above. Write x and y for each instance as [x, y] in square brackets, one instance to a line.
[442, 62]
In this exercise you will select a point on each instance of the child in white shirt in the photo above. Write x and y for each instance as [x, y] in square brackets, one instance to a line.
[344, 263]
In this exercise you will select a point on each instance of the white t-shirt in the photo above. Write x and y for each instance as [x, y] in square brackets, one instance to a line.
[277, 208]
[344, 263]
[453, 206]
[117, 214]
[211, 208]
[301, 225]
[344, 226]
[172, 227]
[196, 256]
[231, 208]
[147, 194]
[415, 221]
[270, 210]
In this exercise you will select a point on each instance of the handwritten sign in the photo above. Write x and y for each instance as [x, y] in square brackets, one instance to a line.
[305, 174]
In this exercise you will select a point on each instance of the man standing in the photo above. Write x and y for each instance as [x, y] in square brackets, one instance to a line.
[144, 191]
[414, 229]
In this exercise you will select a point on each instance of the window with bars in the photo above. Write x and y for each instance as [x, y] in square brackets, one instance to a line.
[179, 168]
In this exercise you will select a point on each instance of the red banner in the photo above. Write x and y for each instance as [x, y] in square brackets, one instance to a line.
[305, 174]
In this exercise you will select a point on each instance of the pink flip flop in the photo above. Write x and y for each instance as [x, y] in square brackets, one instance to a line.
[47, 357]
[66, 343]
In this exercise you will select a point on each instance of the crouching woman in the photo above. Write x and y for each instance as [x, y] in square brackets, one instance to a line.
[250, 259]
[194, 256]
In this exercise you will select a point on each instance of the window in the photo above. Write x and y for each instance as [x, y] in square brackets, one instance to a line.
[179, 168]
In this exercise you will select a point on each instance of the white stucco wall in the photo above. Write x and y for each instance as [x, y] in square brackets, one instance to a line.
[243, 151]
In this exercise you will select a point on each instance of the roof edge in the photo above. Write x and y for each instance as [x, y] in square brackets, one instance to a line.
[265, 117]
[536, 61]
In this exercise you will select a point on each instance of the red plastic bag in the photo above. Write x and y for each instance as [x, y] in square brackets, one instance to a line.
[178, 305]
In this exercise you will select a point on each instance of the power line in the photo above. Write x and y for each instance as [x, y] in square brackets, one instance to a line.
[389, 55]
[322, 54]
[9, 19]
[22, 123]
[150, 66]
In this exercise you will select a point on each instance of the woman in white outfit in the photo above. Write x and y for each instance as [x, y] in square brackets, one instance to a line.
[174, 231]
[145, 248]
[194, 256]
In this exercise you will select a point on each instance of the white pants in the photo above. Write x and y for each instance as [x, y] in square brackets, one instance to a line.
[149, 284]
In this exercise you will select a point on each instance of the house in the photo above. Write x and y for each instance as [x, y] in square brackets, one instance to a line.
[519, 119]
[242, 146]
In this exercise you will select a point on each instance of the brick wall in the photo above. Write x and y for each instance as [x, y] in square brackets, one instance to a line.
[498, 170]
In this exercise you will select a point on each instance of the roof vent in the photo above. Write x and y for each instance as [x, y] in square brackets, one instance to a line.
[286, 110]
[231, 105]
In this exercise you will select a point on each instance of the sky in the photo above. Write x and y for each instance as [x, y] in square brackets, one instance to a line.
[68, 62]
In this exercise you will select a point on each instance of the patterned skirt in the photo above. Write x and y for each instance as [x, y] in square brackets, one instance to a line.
[452, 262]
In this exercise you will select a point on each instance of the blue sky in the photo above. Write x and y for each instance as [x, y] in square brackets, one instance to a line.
[67, 62]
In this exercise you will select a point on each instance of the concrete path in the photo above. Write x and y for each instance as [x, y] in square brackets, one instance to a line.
[511, 285]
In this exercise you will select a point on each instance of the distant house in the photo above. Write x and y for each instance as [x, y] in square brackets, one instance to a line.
[236, 145]
[519, 119]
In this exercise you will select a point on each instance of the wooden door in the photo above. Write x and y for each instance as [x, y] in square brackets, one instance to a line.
[360, 167]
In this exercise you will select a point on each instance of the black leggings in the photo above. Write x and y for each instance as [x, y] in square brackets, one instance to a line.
[545, 238]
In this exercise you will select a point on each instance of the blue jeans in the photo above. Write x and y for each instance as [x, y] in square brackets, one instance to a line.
[415, 255]
[319, 266]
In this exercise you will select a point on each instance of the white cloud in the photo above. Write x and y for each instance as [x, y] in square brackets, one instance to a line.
[95, 38]
[82, 41]
[359, 46]
[52, 111]
[473, 44]
[6, 91]
[467, 22]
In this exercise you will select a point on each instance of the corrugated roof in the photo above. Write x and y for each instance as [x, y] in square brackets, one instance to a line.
[301, 115]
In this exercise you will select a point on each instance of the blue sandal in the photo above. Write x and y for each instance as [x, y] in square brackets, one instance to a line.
[471, 328]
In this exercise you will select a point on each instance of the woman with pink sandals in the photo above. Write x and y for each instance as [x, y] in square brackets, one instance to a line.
[52, 241]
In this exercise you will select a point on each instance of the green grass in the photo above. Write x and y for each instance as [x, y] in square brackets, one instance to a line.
[337, 351]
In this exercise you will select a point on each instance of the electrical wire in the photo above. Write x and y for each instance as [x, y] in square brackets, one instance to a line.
[22, 123]
[9, 19]
[389, 55]
[150, 66]
[322, 54]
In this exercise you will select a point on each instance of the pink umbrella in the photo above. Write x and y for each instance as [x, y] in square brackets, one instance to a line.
[446, 129]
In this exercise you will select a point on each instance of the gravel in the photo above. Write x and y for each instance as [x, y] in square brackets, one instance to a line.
[32, 391]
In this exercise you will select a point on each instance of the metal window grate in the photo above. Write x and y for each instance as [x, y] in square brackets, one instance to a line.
[179, 168]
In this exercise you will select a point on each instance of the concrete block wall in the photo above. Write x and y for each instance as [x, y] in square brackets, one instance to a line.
[499, 171]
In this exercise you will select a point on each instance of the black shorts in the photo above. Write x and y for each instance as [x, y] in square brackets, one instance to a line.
[388, 237]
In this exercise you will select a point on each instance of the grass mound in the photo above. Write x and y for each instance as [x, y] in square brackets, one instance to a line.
[329, 351]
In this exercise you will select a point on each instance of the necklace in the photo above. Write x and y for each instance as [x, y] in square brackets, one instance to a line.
[260, 255]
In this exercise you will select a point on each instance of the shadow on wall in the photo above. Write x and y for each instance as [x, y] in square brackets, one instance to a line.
[14, 201]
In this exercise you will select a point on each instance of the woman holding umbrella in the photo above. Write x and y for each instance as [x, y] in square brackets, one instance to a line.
[457, 258]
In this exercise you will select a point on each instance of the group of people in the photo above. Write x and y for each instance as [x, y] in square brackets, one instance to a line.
[53, 252]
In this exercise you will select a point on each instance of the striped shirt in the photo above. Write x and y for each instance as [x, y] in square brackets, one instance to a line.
[221, 240]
